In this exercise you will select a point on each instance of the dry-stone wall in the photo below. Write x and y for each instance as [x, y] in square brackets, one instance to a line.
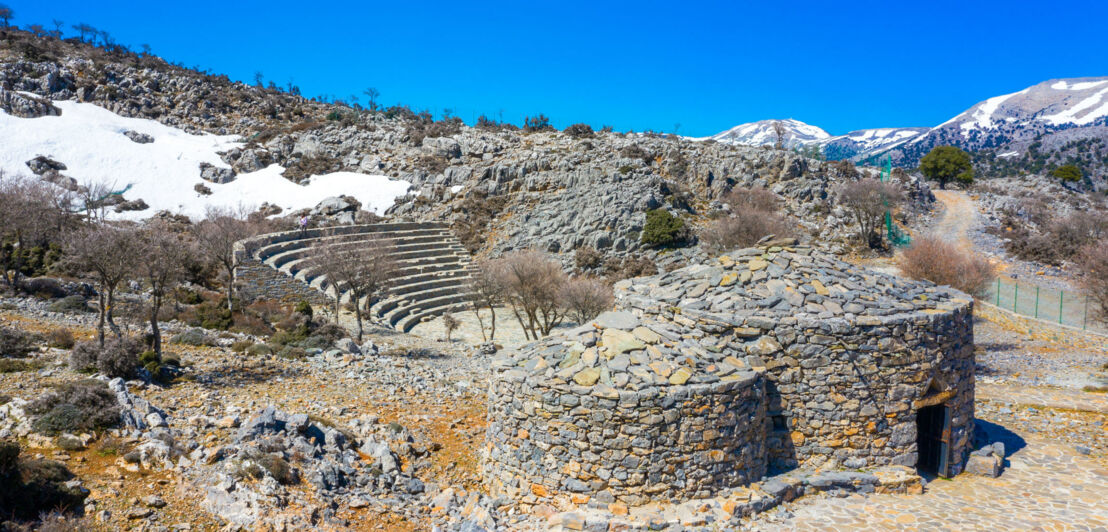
[850, 354]
[615, 410]
[709, 376]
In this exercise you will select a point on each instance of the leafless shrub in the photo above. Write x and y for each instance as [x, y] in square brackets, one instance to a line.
[165, 255]
[33, 214]
[754, 213]
[488, 293]
[532, 284]
[587, 258]
[845, 168]
[944, 263]
[628, 267]
[109, 254]
[752, 199]
[363, 272]
[451, 324]
[579, 131]
[585, 298]
[216, 237]
[1093, 261]
[743, 229]
[866, 200]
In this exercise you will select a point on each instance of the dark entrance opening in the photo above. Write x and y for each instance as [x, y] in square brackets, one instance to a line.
[933, 433]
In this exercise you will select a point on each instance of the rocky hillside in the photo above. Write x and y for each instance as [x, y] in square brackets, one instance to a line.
[501, 187]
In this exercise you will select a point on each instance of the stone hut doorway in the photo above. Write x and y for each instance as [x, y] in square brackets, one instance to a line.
[933, 444]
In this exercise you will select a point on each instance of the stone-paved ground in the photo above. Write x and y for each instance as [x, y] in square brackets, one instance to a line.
[1047, 486]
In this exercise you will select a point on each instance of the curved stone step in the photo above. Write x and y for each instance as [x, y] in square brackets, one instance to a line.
[409, 323]
[268, 250]
[397, 307]
[281, 258]
[305, 272]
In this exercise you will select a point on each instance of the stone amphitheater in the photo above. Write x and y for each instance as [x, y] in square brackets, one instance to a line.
[713, 376]
[433, 269]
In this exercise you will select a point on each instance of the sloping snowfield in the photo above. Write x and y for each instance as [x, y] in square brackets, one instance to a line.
[89, 140]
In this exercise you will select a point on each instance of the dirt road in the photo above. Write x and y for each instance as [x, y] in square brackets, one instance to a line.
[959, 217]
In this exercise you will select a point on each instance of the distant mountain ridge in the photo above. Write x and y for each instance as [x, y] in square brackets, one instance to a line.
[1072, 109]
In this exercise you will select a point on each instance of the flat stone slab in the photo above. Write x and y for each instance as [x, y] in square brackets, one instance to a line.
[617, 320]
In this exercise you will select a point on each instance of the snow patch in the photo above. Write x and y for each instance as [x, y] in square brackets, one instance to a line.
[89, 140]
[1079, 86]
[1070, 116]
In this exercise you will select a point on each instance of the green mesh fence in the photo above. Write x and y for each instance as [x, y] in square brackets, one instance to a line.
[1059, 306]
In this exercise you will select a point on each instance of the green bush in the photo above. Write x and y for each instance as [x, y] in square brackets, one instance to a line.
[8, 365]
[663, 229]
[259, 350]
[292, 353]
[278, 468]
[16, 343]
[303, 307]
[193, 337]
[60, 339]
[212, 315]
[117, 358]
[75, 407]
[29, 488]
[69, 304]
[240, 346]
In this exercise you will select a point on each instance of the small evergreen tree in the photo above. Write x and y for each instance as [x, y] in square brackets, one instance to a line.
[662, 228]
[1068, 173]
[945, 164]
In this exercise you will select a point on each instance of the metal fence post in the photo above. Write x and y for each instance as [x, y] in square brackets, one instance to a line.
[1085, 320]
[1036, 301]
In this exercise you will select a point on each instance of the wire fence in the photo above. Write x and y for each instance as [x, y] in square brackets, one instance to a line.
[1067, 308]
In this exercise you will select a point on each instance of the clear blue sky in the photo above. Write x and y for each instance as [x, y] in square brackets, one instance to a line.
[641, 65]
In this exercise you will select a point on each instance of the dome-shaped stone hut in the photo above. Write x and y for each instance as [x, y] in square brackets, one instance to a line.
[711, 375]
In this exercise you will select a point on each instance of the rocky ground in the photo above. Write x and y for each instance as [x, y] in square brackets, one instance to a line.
[401, 436]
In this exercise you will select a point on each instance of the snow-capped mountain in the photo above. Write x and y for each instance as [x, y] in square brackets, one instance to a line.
[764, 133]
[859, 144]
[1055, 114]
[1073, 108]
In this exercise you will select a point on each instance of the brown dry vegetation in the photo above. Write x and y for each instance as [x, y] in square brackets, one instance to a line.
[934, 259]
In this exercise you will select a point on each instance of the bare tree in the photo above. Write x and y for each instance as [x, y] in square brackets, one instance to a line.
[866, 201]
[109, 254]
[6, 14]
[532, 284]
[1093, 261]
[96, 197]
[779, 132]
[585, 298]
[33, 214]
[450, 323]
[165, 256]
[484, 283]
[363, 272]
[85, 30]
[216, 237]
[57, 28]
[371, 94]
